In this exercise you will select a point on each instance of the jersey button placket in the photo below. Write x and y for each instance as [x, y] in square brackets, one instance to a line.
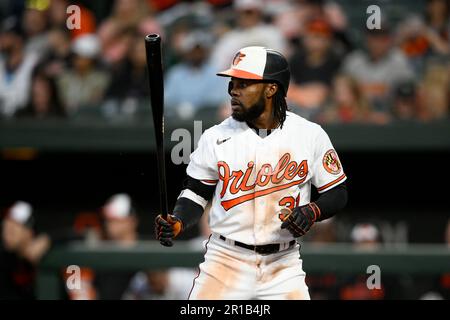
[260, 201]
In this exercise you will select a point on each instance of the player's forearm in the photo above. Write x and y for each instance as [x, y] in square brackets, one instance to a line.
[192, 202]
[188, 211]
[332, 201]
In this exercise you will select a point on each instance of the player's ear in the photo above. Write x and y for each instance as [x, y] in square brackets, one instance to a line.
[271, 89]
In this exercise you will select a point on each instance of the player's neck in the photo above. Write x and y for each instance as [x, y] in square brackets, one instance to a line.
[265, 121]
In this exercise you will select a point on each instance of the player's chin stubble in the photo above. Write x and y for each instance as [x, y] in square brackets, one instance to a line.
[250, 114]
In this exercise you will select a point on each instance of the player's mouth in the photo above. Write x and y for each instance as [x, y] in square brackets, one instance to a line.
[235, 105]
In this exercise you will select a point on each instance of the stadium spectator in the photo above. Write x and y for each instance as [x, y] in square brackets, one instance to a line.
[57, 58]
[120, 227]
[347, 104]
[129, 84]
[57, 14]
[164, 284]
[379, 68]
[419, 42]
[16, 68]
[35, 26]
[250, 30]
[434, 90]
[83, 85]
[204, 89]
[291, 17]
[422, 37]
[44, 99]
[364, 236]
[405, 105]
[21, 250]
[115, 33]
[313, 67]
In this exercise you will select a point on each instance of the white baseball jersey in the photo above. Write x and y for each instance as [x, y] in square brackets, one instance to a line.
[257, 175]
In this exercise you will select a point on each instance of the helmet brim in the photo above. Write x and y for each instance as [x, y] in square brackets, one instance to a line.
[236, 73]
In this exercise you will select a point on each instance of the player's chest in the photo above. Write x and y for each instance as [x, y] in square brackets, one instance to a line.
[257, 162]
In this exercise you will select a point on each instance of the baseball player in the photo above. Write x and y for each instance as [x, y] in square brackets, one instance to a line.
[257, 166]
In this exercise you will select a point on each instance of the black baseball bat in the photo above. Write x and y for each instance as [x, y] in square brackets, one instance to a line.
[156, 83]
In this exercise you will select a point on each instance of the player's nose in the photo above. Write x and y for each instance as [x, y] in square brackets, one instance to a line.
[232, 89]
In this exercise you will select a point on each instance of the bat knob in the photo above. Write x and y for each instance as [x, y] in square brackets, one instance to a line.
[153, 37]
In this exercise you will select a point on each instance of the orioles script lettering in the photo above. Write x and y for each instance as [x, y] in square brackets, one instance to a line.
[281, 177]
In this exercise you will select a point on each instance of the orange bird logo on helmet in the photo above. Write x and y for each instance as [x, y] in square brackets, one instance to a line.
[238, 58]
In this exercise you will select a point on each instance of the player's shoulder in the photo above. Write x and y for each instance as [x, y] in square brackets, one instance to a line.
[229, 126]
[296, 122]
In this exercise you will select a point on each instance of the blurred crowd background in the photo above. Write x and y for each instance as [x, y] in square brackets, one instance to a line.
[341, 71]
[342, 74]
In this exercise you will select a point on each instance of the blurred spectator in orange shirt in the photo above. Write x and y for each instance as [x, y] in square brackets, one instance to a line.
[423, 37]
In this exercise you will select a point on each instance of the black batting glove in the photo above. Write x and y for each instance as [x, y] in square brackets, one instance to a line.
[301, 219]
[167, 230]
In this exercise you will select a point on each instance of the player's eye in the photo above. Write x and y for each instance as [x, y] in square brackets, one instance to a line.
[242, 85]
[230, 87]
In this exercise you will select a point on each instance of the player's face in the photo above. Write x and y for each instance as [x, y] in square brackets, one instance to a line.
[247, 99]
